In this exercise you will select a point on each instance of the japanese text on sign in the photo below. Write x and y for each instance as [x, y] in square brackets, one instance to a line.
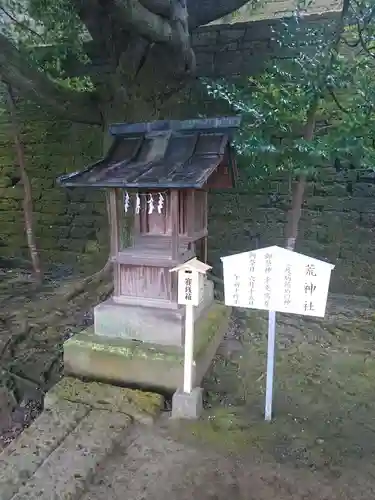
[236, 293]
[277, 279]
[267, 279]
[188, 291]
[252, 263]
[287, 285]
[310, 287]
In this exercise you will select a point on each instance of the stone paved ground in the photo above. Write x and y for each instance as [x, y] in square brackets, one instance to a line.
[320, 445]
[34, 322]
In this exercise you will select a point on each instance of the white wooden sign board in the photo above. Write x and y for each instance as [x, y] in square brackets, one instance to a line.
[191, 280]
[276, 279]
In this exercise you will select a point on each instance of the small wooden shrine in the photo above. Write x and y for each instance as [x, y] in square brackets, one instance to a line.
[158, 175]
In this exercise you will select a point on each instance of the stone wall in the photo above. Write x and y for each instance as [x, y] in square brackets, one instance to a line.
[338, 221]
[278, 9]
[70, 226]
[243, 48]
[337, 225]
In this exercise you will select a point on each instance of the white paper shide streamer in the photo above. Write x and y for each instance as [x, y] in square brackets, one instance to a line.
[126, 202]
[152, 202]
[151, 205]
[137, 204]
[160, 203]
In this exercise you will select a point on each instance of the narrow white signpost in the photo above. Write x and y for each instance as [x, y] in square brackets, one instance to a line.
[191, 279]
[271, 343]
[276, 280]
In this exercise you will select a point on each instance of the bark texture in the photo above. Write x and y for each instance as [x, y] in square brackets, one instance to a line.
[298, 189]
[147, 44]
[27, 198]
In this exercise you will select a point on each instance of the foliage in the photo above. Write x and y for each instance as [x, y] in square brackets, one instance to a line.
[275, 105]
[49, 32]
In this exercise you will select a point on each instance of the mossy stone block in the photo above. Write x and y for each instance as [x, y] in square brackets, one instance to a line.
[148, 365]
[143, 406]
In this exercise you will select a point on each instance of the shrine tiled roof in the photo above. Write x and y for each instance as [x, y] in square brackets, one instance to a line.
[161, 154]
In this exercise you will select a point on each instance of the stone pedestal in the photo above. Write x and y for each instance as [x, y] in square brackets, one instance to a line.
[188, 406]
[146, 324]
[152, 365]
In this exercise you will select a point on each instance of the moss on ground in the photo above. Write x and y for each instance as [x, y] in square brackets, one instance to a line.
[323, 406]
[208, 327]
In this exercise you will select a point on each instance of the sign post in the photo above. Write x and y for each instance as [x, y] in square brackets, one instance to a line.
[271, 344]
[189, 349]
[276, 280]
[191, 280]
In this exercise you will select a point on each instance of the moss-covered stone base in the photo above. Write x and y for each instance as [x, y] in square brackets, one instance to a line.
[143, 364]
[142, 406]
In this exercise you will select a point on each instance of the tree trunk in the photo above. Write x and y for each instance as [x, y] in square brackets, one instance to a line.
[27, 198]
[295, 212]
[298, 189]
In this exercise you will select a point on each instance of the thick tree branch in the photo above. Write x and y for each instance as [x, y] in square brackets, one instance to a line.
[104, 28]
[89, 12]
[16, 71]
[134, 16]
[205, 11]
[172, 31]
[160, 7]
[112, 22]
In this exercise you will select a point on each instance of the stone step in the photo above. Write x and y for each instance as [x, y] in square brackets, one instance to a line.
[72, 465]
[20, 460]
[60, 453]
[141, 406]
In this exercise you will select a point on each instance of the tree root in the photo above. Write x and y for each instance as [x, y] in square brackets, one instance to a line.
[76, 289]
[14, 339]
